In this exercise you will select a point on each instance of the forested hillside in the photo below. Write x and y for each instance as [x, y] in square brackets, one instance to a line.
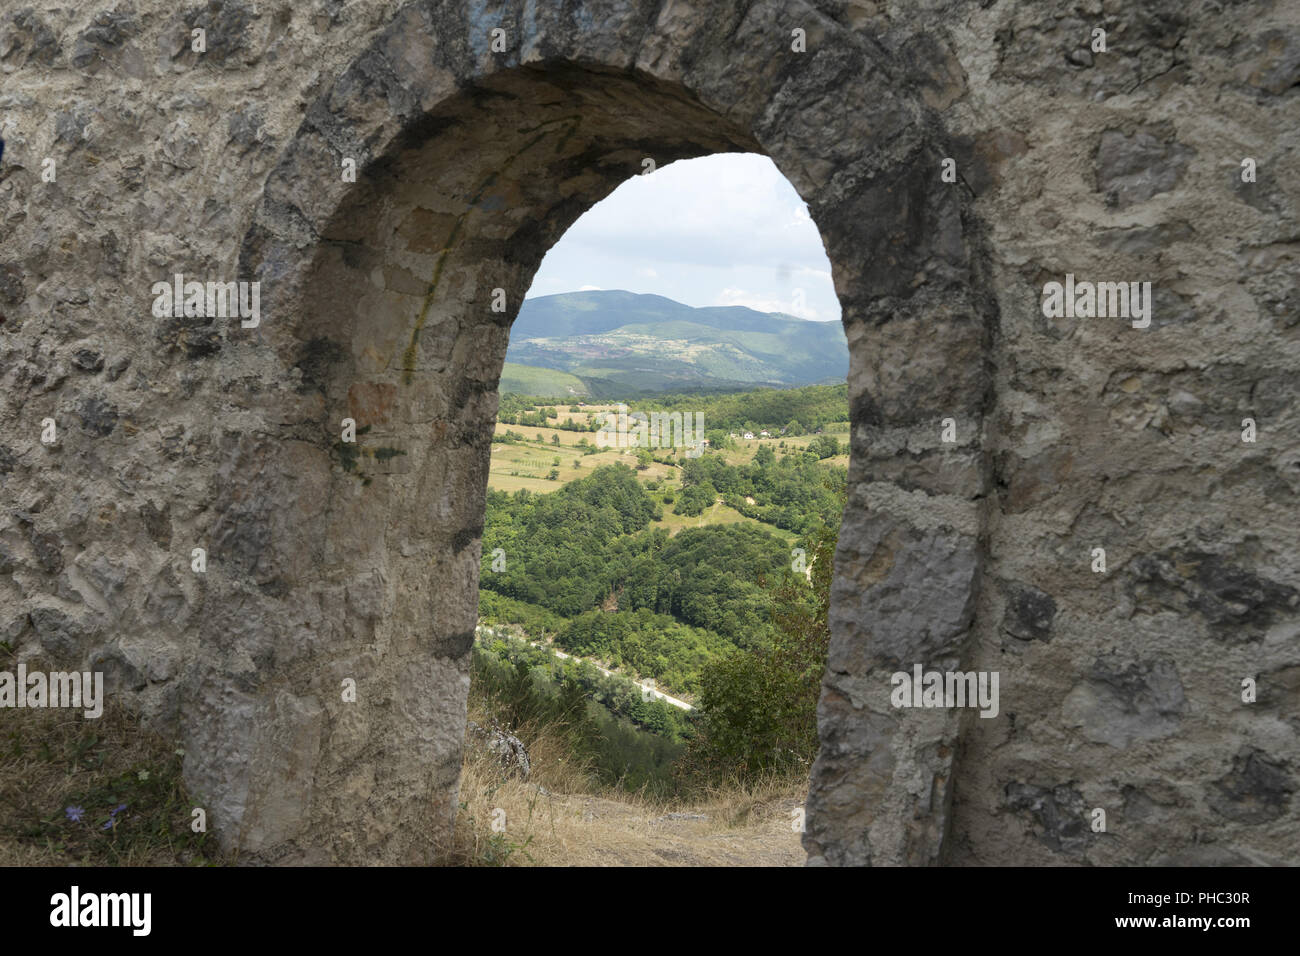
[690, 572]
[588, 548]
[620, 344]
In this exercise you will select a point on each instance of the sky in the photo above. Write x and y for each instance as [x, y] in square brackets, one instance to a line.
[726, 229]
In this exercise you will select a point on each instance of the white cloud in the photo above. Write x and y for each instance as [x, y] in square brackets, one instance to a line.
[589, 288]
[760, 303]
[729, 221]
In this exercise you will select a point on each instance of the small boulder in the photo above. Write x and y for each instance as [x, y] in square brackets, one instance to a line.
[510, 750]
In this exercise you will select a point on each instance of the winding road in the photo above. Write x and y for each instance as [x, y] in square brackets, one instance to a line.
[647, 691]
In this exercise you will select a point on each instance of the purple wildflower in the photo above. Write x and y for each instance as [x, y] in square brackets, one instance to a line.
[74, 813]
[112, 816]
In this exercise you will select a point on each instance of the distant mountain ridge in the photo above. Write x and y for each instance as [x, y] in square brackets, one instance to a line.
[626, 343]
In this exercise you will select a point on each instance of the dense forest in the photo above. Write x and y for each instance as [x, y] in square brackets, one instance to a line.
[807, 409]
[756, 707]
[667, 604]
[792, 493]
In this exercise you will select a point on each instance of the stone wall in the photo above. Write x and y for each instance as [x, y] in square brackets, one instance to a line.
[1119, 690]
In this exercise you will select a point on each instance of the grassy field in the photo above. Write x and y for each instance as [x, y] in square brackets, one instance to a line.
[718, 514]
[527, 465]
[532, 380]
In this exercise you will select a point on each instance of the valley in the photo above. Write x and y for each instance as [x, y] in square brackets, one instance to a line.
[652, 629]
[607, 571]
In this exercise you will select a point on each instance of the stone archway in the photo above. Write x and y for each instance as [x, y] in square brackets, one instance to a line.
[361, 562]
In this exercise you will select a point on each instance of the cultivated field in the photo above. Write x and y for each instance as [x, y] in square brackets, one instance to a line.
[529, 463]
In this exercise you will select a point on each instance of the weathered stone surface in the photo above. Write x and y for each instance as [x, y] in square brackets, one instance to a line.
[1269, 61]
[88, 360]
[28, 38]
[1029, 614]
[1118, 704]
[96, 44]
[1256, 790]
[1058, 814]
[1134, 167]
[97, 416]
[184, 432]
[878, 596]
[60, 636]
[1237, 604]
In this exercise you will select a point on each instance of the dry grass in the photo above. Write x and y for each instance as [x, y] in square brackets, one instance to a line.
[527, 465]
[559, 818]
[53, 759]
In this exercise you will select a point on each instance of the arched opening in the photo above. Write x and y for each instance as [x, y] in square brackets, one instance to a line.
[380, 295]
[619, 563]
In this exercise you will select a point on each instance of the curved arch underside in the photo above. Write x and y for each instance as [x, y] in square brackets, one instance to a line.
[378, 300]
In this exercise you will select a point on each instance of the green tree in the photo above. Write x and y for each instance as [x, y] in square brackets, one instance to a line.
[695, 498]
[824, 446]
[759, 708]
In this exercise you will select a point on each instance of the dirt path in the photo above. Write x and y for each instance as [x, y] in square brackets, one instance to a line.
[577, 830]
